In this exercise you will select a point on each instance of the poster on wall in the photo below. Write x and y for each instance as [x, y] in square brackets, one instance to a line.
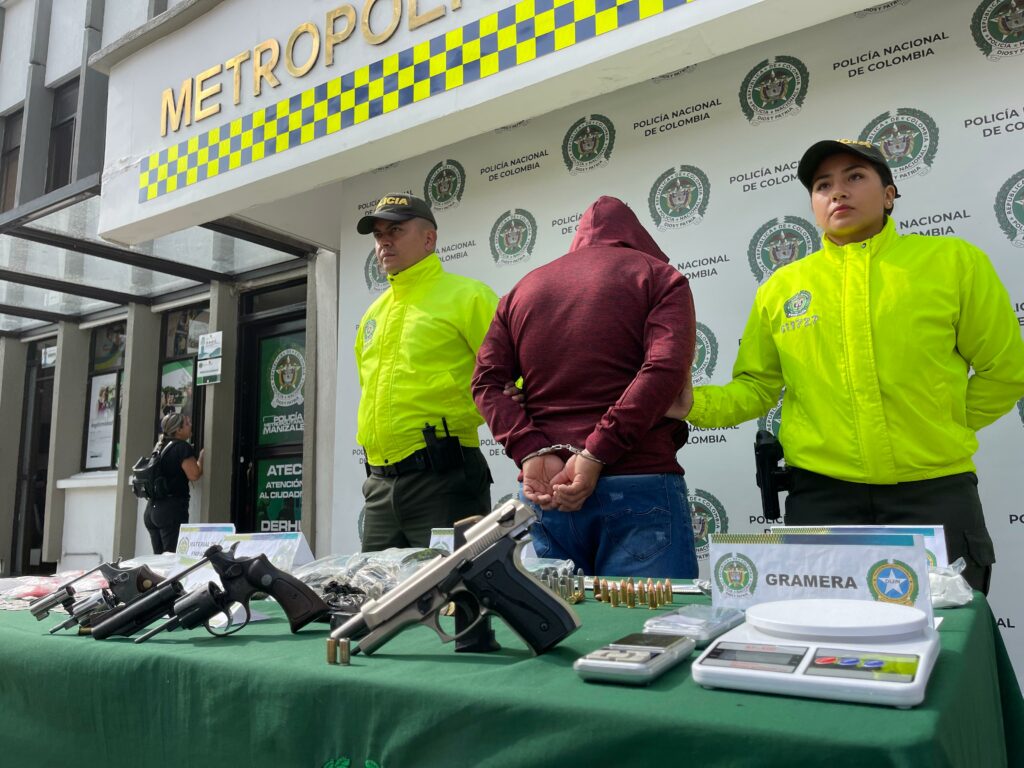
[176, 387]
[99, 447]
[108, 347]
[278, 494]
[209, 369]
[282, 381]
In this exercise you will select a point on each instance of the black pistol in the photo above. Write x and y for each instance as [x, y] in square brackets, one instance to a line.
[771, 478]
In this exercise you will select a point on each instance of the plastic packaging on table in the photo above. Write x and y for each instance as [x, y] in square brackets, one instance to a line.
[373, 573]
[543, 568]
[29, 588]
[949, 589]
[701, 622]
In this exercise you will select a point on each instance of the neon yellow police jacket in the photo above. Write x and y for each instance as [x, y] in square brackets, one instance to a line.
[415, 350]
[875, 343]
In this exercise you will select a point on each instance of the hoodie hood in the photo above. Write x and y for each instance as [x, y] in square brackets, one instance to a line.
[610, 223]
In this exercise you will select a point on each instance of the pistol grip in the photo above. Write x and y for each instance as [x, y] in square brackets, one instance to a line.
[533, 612]
[300, 603]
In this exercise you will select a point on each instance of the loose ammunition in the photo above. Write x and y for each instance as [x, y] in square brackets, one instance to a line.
[604, 590]
[669, 597]
[652, 598]
[332, 651]
[641, 592]
[614, 598]
[630, 596]
[660, 593]
[581, 586]
[345, 648]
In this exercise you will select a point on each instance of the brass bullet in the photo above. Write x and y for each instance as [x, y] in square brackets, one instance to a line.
[614, 598]
[652, 598]
[345, 655]
[332, 651]
[630, 596]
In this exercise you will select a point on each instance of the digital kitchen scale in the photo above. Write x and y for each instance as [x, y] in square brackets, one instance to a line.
[846, 650]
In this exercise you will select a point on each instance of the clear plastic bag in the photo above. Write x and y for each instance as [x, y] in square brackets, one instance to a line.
[949, 589]
[373, 573]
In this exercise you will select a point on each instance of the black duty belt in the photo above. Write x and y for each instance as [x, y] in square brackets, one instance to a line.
[415, 462]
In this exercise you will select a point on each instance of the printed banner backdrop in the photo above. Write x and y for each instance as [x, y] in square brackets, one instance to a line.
[278, 494]
[707, 158]
[282, 380]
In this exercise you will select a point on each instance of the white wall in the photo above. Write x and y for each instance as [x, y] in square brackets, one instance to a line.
[67, 31]
[122, 16]
[14, 52]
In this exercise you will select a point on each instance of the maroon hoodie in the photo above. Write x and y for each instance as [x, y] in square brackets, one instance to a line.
[602, 337]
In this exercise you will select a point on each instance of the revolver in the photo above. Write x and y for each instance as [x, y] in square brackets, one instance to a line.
[241, 578]
[482, 577]
[123, 586]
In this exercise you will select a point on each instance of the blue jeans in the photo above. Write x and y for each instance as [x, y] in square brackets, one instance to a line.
[632, 525]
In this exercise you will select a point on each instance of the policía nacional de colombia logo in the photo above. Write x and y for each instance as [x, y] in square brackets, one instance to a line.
[797, 304]
[735, 575]
[376, 279]
[679, 197]
[772, 421]
[778, 242]
[707, 516]
[513, 236]
[705, 357]
[444, 185]
[1010, 208]
[774, 89]
[998, 28]
[893, 581]
[588, 144]
[368, 330]
[908, 138]
[287, 375]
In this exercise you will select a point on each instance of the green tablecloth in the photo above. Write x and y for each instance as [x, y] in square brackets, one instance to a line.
[265, 697]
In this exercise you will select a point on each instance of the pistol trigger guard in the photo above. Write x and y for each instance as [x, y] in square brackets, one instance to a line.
[435, 625]
[230, 627]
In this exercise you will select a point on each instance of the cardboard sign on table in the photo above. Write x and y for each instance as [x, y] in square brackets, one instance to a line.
[757, 568]
[934, 536]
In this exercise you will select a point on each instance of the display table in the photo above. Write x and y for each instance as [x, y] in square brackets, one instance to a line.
[265, 697]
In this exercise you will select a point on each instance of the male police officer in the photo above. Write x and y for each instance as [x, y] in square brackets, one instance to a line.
[415, 350]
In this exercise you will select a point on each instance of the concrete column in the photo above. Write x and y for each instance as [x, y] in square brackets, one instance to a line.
[138, 418]
[90, 131]
[318, 444]
[38, 115]
[310, 413]
[70, 382]
[13, 356]
[219, 427]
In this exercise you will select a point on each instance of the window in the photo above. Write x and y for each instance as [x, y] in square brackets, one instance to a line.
[106, 368]
[178, 393]
[62, 136]
[9, 160]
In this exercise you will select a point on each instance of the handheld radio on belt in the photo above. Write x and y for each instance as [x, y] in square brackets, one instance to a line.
[442, 453]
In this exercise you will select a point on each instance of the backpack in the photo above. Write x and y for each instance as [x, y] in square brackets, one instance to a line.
[146, 480]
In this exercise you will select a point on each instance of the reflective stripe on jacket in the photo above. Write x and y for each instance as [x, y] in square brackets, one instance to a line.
[874, 343]
[415, 350]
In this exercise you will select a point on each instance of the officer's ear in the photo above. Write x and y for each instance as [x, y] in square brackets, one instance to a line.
[429, 235]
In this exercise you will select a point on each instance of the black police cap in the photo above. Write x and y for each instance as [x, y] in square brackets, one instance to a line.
[818, 152]
[397, 207]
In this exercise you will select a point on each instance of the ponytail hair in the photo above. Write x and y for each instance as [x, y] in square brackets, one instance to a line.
[170, 424]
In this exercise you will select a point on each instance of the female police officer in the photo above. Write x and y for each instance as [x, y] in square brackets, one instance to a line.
[874, 338]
